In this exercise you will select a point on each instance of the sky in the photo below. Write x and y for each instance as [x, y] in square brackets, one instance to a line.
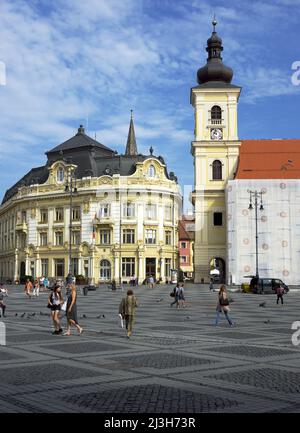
[67, 62]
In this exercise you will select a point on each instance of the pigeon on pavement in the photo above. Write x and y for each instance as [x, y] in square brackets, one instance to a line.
[263, 304]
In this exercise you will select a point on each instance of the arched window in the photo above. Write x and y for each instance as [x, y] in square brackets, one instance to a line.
[216, 113]
[151, 171]
[105, 270]
[60, 175]
[217, 170]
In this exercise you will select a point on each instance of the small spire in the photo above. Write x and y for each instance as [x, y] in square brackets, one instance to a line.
[214, 23]
[131, 148]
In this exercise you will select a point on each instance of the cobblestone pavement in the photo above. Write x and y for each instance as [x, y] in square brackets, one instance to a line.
[176, 360]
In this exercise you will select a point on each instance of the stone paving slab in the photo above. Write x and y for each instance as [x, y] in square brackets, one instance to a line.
[176, 360]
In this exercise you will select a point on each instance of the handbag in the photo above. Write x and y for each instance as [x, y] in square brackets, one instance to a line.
[64, 306]
[224, 302]
[172, 294]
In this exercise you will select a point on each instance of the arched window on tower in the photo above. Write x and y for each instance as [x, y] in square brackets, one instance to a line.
[216, 115]
[217, 170]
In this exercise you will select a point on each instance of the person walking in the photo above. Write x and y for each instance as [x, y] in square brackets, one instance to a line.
[72, 310]
[46, 283]
[211, 285]
[55, 301]
[36, 288]
[151, 282]
[3, 290]
[280, 293]
[176, 296]
[127, 310]
[113, 285]
[223, 306]
[2, 304]
[181, 297]
[28, 287]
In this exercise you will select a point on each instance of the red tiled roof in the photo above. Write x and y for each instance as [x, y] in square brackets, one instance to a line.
[184, 234]
[269, 159]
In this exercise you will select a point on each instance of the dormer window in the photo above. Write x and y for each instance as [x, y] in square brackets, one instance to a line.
[151, 171]
[60, 175]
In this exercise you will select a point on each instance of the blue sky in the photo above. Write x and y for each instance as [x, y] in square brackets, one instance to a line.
[70, 62]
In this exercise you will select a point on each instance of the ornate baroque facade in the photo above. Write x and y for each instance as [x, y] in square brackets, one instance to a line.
[124, 215]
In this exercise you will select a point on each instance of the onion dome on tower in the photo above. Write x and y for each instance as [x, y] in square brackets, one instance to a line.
[214, 70]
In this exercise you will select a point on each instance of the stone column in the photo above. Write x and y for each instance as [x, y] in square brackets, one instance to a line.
[141, 275]
[16, 273]
[162, 269]
[27, 265]
[117, 268]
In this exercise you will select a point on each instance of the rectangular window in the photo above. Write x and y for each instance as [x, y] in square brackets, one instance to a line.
[43, 239]
[59, 267]
[218, 219]
[128, 236]
[44, 216]
[168, 268]
[183, 259]
[74, 266]
[23, 217]
[168, 237]
[76, 214]
[128, 210]
[104, 237]
[150, 236]
[45, 267]
[183, 245]
[76, 237]
[168, 213]
[128, 267]
[104, 211]
[59, 215]
[151, 211]
[59, 238]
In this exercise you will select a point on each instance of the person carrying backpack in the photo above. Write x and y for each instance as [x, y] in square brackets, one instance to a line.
[280, 293]
[176, 296]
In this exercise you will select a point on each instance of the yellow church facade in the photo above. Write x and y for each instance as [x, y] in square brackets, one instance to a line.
[215, 149]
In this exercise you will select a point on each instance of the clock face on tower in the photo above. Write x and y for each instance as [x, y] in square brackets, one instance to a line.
[216, 134]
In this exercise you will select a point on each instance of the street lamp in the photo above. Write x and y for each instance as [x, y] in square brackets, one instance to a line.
[71, 188]
[256, 195]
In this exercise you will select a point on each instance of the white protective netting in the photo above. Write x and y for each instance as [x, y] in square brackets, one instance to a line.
[278, 230]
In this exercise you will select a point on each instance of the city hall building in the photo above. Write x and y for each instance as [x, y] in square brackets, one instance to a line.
[226, 169]
[115, 216]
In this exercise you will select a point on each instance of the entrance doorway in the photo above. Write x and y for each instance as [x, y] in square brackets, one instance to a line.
[218, 270]
[151, 267]
[22, 270]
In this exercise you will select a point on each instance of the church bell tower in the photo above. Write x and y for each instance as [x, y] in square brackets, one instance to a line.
[215, 149]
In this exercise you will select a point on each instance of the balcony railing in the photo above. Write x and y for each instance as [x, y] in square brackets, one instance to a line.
[216, 121]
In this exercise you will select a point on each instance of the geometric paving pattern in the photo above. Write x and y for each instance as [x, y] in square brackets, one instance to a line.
[176, 361]
[267, 378]
[28, 374]
[148, 399]
[253, 351]
[161, 360]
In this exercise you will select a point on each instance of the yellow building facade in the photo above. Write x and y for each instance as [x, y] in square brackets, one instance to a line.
[123, 218]
[215, 149]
